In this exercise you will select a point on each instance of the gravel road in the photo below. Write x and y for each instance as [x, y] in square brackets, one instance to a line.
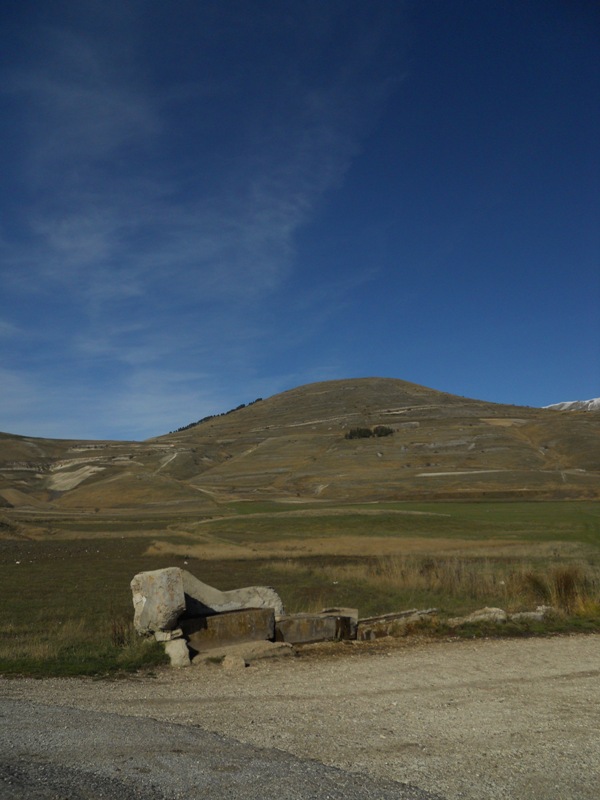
[488, 719]
[55, 753]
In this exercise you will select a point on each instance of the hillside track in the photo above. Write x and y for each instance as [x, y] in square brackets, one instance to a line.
[477, 719]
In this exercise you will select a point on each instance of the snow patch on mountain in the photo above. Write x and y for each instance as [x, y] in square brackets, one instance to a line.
[577, 405]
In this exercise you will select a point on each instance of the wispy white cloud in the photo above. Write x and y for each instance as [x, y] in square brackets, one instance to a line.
[8, 330]
[93, 116]
[165, 256]
[82, 101]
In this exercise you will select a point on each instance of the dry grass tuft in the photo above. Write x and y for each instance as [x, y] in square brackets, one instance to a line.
[570, 587]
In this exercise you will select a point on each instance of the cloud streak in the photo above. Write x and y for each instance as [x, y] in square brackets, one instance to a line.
[156, 246]
[102, 203]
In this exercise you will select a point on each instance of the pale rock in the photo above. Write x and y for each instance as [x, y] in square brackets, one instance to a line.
[541, 614]
[158, 599]
[488, 615]
[202, 598]
[234, 663]
[481, 615]
[161, 596]
[178, 652]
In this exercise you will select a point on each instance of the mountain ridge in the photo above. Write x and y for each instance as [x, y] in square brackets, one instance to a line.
[577, 405]
[293, 447]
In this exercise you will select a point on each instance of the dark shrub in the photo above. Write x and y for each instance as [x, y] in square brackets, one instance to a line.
[383, 430]
[359, 433]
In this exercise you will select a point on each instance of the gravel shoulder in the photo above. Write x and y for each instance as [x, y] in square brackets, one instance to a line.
[56, 752]
[486, 719]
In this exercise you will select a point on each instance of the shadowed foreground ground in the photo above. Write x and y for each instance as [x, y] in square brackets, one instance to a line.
[53, 753]
[479, 719]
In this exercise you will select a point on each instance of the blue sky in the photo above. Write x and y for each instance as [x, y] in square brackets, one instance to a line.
[205, 202]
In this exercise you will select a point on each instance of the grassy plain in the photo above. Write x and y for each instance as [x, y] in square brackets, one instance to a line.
[66, 604]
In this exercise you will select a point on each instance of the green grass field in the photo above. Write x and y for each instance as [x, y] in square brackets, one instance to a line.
[66, 604]
[534, 522]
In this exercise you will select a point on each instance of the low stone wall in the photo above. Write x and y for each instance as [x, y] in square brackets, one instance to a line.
[390, 624]
[196, 621]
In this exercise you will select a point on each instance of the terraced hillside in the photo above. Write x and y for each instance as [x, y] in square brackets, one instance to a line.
[293, 447]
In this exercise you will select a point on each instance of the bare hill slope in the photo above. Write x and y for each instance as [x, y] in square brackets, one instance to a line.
[293, 446]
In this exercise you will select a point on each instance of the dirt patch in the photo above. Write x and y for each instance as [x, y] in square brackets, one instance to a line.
[65, 481]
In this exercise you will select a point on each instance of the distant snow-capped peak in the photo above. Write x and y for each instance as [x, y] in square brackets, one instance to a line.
[577, 405]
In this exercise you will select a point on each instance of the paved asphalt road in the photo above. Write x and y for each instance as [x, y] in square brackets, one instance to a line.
[58, 753]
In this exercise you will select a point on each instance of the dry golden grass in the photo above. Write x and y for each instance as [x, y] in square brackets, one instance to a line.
[212, 549]
[43, 643]
[573, 588]
[383, 573]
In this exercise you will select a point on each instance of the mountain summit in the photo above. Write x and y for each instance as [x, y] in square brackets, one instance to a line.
[577, 405]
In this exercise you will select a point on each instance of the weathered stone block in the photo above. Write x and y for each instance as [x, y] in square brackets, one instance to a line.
[250, 624]
[158, 599]
[249, 651]
[307, 628]
[349, 614]
[204, 599]
[161, 597]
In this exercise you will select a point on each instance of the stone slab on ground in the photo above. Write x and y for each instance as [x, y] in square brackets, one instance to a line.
[497, 615]
[248, 651]
[541, 614]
